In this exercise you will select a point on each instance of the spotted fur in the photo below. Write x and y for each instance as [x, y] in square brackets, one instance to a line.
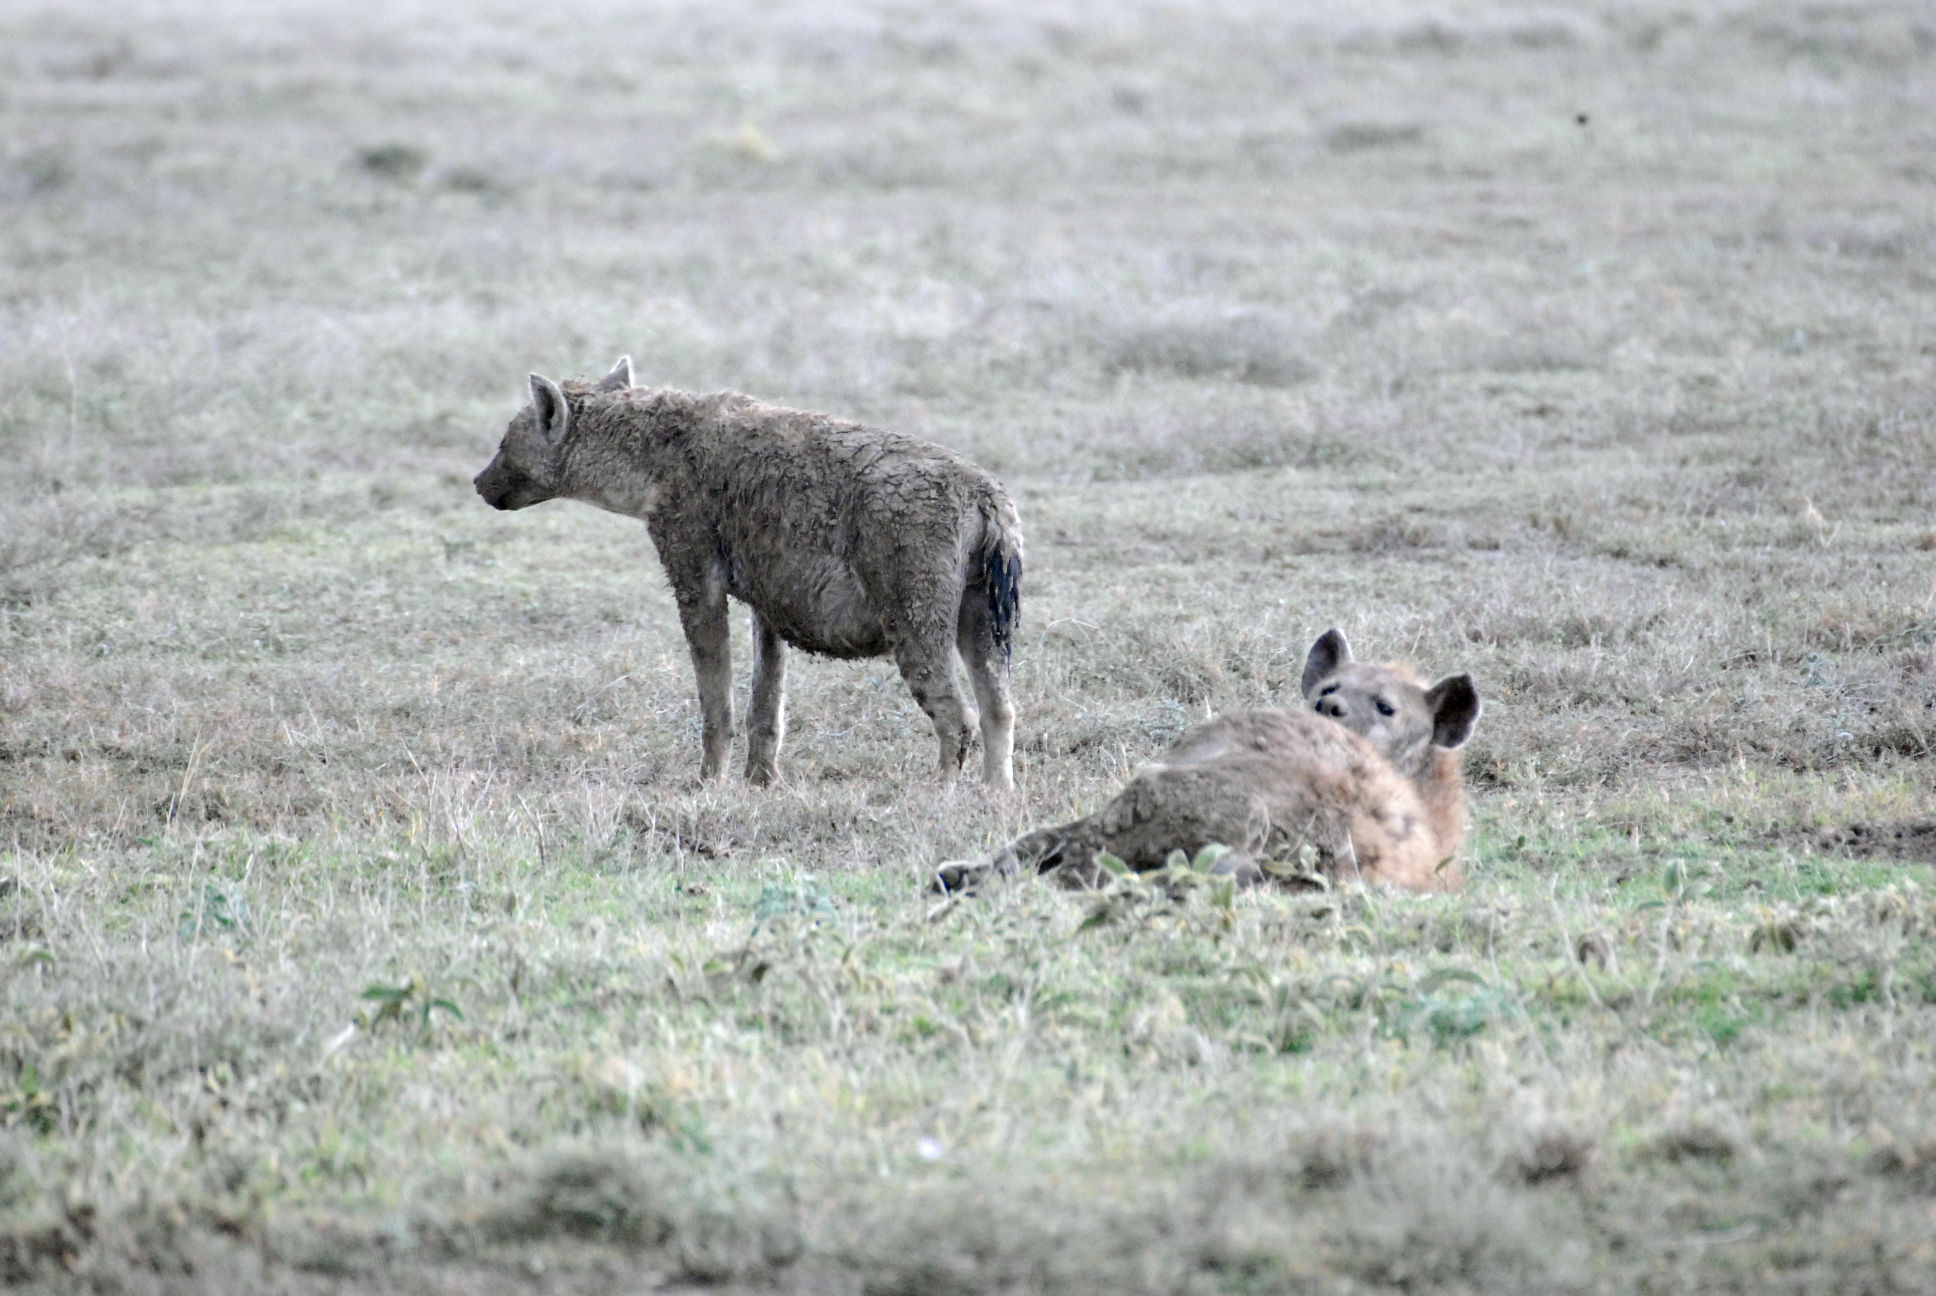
[1367, 774]
[844, 540]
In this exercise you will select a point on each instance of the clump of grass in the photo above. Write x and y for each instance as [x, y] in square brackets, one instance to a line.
[1175, 664]
[1433, 1220]
[954, 1238]
[1335, 1206]
[1360, 136]
[1243, 347]
[396, 162]
[1182, 436]
[1700, 1137]
[1911, 1158]
[1552, 1151]
[475, 181]
[714, 1229]
[38, 172]
[39, 537]
[1539, 356]
[583, 1193]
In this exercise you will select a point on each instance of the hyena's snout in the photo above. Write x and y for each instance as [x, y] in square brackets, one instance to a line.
[1331, 706]
[495, 485]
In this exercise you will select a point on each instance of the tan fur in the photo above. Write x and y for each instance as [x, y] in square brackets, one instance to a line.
[844, 540]
[1367, 775]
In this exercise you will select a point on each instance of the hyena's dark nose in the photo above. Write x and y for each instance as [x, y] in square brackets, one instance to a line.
[1332, 707]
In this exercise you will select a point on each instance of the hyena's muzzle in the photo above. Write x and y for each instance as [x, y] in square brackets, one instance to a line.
[504, 487]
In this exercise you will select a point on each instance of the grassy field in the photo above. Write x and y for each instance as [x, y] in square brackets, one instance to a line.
[362, 927]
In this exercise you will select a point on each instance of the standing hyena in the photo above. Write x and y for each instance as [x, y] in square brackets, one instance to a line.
[1368, 776]
[844, 540]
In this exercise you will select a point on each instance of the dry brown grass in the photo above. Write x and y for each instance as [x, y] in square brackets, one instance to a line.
[1587, 351]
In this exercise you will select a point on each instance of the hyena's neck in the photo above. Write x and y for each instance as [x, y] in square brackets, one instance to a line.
[622, 446]
[1441, 786]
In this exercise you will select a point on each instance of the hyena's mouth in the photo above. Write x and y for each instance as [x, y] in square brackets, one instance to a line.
[504, 489]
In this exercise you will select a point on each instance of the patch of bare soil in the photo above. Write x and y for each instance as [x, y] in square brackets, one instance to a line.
[1912, 841]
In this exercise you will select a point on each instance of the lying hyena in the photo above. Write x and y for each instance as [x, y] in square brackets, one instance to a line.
[1368, 775]
[844, 540]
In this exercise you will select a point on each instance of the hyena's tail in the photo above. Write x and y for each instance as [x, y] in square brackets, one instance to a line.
[1001, 574]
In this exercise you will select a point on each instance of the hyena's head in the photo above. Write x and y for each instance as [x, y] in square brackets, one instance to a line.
[529, 467]
[1393, 709]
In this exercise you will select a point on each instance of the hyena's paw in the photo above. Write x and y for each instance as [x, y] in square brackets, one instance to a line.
[965, 877]
[958, 877]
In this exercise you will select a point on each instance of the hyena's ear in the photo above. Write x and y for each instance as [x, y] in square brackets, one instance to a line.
[548, 403]
[619, 379]
[1326, 655]
[1455, 709]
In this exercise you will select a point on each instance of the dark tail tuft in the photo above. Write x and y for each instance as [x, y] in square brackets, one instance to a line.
[1001, 569]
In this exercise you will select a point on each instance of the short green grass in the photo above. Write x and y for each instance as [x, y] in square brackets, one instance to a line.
[362, 928]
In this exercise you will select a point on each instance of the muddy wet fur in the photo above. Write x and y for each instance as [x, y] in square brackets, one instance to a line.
[844, 540]
[1367, 774]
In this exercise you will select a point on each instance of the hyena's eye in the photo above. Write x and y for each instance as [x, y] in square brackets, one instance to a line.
[1327, 690]
[1385, 708]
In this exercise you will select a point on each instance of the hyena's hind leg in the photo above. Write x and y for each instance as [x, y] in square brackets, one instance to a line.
[987, 664]
[1183, 808]
[928, 666]
[766, 707]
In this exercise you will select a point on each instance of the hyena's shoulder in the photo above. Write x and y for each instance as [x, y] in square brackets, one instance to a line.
[1290, 735]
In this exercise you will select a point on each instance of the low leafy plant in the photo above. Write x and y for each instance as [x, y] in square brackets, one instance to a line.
[411, 1002]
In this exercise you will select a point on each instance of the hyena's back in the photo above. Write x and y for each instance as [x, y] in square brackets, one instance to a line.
[826, 525]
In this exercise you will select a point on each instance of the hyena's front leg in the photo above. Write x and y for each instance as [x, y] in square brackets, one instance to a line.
[1067, 850]
[766, 709]
[704, 619]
